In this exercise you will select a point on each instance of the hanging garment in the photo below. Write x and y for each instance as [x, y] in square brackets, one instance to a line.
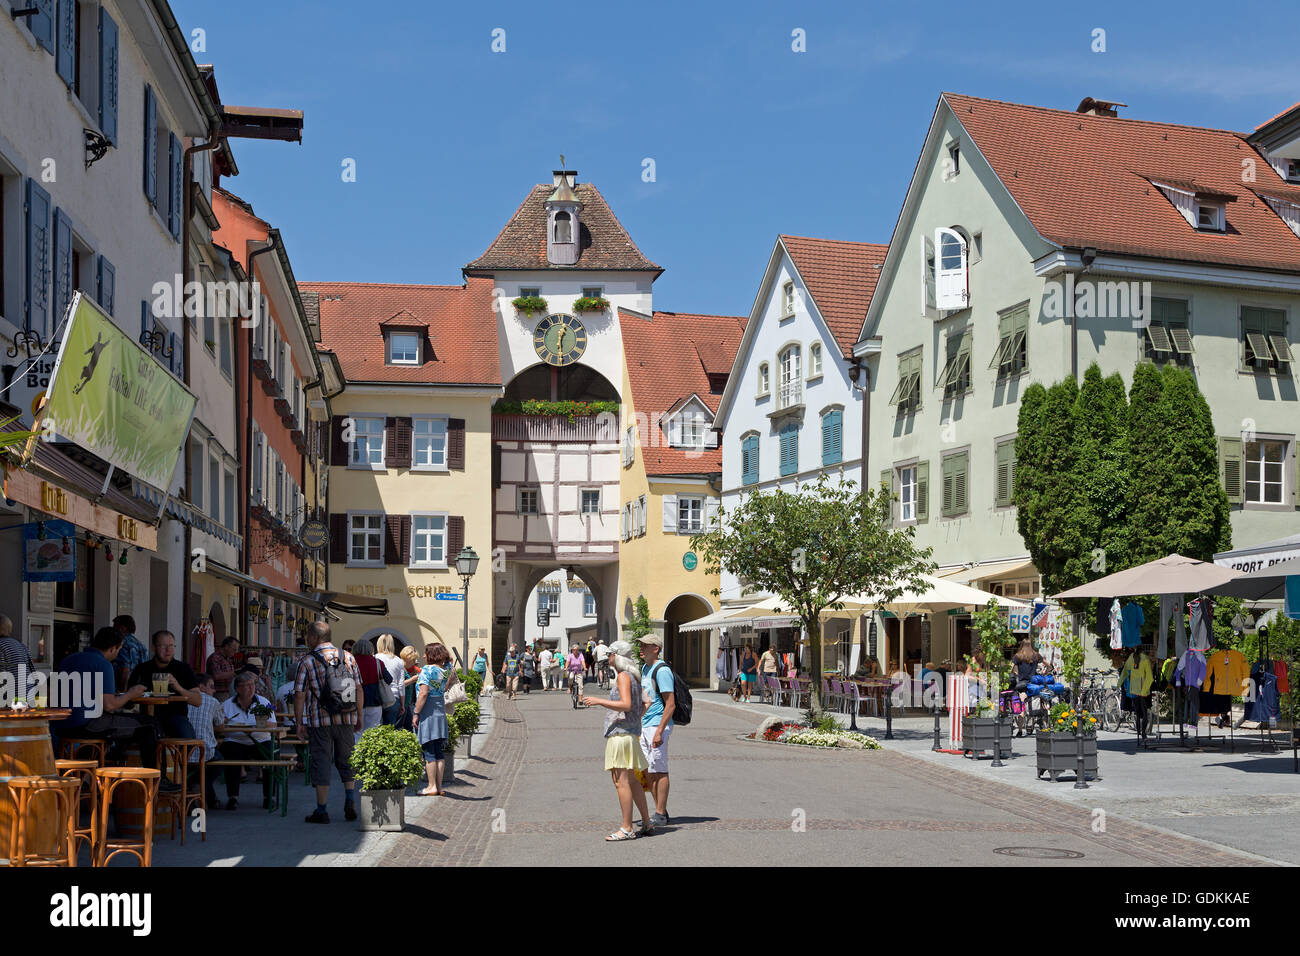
[1191, 669]
[1291, 605]
[1226, 672]
[1215, 705]
[958, 706]
[1202, 615]
[1263, 707]
[1137, 669]
[1102, 625]
[1283, 683]
[721, 667]
[1131, 620]
[1191, 705]
[1180, 631]
[1168, 609]
[1116, 627]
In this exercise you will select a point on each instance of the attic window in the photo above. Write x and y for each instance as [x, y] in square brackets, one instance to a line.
[403, 348]
[1209, 216]
[954, 159]
[717, 383]
[1293, 170]
[563, 227]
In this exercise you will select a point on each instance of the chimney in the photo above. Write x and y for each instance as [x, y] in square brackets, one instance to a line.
[570, 175]
[1092, 107]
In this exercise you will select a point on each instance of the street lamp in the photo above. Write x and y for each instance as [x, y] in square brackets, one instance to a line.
[466, 565]
[253, 608]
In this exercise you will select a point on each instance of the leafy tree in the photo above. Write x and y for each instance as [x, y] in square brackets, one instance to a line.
[1147, 449]
[1194, 504]
[640, 625]
[1101, 412]
[812, 546]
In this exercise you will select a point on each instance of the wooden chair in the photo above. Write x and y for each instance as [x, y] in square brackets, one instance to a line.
[31, 827]
[176, 751]
[83, 771]
[70, 748]
[110, 780]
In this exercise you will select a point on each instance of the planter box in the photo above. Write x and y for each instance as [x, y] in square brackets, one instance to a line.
[977, 735]
[1058, 753]
[382, 810]
[448, 768]
[262, 369]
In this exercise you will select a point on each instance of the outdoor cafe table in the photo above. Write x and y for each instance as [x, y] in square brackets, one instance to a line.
[270, 749]
[26, 749]
[150, 701]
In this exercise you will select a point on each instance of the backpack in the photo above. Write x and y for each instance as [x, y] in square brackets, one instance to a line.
[681, 694]
[338, 693]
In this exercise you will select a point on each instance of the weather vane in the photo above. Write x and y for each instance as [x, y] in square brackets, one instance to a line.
[562, 166]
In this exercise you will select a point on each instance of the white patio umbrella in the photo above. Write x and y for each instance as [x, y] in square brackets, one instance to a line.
[1175, 574]
[938, 594]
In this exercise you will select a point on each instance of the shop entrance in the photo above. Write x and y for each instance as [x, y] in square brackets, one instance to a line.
[687, 651]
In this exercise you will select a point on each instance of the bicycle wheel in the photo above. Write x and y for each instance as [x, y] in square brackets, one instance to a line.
[1112, 715]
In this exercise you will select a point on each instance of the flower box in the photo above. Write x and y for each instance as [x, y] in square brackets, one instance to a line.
[1059, 753]
[977, 735]
[262, 369]
[269, 387]
[283, 408]
[591, 304]
[528, 304]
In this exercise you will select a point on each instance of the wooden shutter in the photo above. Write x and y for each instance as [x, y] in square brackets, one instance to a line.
[945, 502]
[922, 492]
[42, 23]
[1295, 476]
[38, 257]
[393, 539]
[887, 483]
[711, 508]
[496, 466]
[397, 443]
[749, 460]
[150, 145]
[832, 450]
[789, 449]
[1230, 469]
[455, 537]
[105, 281]
[338, 539]
[1006, 462]
[65, 55]
[107, 76]
[960, 477]
[456, 444]
[62, 259]
[176, 210]
[670, 514]
[927, 278]
[338, 447]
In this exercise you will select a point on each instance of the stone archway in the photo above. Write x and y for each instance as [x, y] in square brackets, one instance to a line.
[535, 575]
[688, 652]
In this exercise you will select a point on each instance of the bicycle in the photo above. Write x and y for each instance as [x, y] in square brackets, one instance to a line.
[603, 671]
[1101, 699]
[575, 692]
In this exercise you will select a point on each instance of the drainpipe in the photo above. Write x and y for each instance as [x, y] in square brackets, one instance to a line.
[244, 562]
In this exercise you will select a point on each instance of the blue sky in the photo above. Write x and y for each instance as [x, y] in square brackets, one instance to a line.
[749, 138]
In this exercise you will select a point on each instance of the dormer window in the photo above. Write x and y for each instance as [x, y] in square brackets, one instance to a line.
[1209, 216]
[787, 299]
[403, 348]
[814, 361]
[1293, 170]
[689, 428]
[563, 227]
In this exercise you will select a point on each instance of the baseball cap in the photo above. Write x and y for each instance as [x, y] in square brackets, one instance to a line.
[654, 639]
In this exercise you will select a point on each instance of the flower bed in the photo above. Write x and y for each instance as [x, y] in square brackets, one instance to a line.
[805, 736]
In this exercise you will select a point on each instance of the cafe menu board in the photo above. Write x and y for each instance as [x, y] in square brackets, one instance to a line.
[48, 551]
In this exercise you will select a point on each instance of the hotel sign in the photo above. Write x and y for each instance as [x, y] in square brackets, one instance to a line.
[410, 590]
[24, 487]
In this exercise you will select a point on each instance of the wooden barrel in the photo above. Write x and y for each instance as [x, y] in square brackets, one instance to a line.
[26, 749]
[128, 804]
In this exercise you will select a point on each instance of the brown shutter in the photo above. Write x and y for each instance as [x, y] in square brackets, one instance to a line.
[455, 537]
[392, 539]
[456, 444]
[338, 447]
[338, 539]
[397, 443]
[405, 535]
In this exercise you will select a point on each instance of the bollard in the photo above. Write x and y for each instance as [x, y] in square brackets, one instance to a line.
[997, 740]
[1080, 775]
[889, 714]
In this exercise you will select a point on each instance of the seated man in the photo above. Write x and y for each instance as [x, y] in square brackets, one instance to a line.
[205, 717]
[96, 709]
[237, 711]
[163, 666]
[15, 666]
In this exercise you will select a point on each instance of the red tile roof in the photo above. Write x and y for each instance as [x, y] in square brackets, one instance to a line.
[1084, 181]
[521, 244]
[669, 357]
[841, 277]
[461, 347]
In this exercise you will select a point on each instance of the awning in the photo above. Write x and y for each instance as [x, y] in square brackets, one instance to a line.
[1260, 556]
[716, 619]
[185, 513]
[354, 603]
[1018, 568]
[289, 597]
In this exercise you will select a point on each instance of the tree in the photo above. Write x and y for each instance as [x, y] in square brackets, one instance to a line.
[640, 625]
[1194, 505]
[812, 546]
[1101, 412]
[1147, 450]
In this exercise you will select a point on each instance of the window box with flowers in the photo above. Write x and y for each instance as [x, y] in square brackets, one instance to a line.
[262, 370]
[591, 303]
[528, 304]
[1058, 745]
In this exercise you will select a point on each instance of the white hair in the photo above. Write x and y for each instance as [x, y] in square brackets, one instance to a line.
[621, 658]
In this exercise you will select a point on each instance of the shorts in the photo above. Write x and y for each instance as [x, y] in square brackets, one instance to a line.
[656, 757]
[749, 678]
[433, 748]
[623, 753]
[331, 744]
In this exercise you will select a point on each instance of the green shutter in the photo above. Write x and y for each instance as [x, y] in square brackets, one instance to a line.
[961, 474]
[922, 492]
[832, 451]
[1295, 477]
[1006, 463]
[887, 480]
[1230, 469]
[150, 145]
[945, 503]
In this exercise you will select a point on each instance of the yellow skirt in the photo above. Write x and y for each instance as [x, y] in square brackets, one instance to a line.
[623, 752]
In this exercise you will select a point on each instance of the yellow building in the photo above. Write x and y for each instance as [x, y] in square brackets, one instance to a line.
[410, 453]
[675, 369]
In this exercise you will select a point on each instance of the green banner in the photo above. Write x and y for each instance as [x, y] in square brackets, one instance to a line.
[111, 397]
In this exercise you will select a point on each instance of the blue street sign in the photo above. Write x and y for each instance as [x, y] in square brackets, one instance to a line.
[453, 596]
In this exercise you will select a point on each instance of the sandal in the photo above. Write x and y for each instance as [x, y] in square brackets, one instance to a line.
[619, 835]
[647, 829]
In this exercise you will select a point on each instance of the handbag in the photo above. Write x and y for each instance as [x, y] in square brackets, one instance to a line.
[386, 698]
[454, 697]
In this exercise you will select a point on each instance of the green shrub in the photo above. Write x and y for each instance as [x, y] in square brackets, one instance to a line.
[387, 759]
[462, 722]
[528, 304]
[472, 681]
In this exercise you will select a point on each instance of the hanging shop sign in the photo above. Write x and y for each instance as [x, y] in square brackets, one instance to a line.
[314, 534]
[111, 397]
[28, 382]
[22, 486]
[48, 551]
[1020, 619]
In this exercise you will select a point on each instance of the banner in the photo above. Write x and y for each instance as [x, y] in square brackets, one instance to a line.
[110, 396]
[48, 551]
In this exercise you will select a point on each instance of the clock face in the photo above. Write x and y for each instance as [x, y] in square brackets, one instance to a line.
[559, 339]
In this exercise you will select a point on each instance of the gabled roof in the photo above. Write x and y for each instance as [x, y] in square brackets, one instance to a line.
[1084, 181]
[521, 244]
[666, 368]
[841, 277]
[461, 325]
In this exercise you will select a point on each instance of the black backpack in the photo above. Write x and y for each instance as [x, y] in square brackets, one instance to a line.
[338, 692]
[681, 694]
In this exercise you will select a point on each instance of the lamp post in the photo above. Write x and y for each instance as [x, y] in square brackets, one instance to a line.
[466, 565]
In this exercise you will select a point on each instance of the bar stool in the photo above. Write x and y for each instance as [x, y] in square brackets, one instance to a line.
[70, 748]
[83, 771]
[110, 778]
[177, 751]
[25, 792]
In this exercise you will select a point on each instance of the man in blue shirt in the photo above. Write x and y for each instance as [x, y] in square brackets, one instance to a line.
[656, 722]
[132, 654]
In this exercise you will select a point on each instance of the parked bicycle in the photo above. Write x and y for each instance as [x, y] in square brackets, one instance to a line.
[1099, 695]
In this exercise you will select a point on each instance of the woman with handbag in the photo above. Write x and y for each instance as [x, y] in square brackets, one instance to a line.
[431, 712]
[385, 654]
[623, 754]
[374, 685]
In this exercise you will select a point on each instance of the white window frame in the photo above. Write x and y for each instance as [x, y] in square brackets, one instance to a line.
[1216, 212]
[582, 501]
[446, 517]
[951, 281]
[1286, 478]
[593, 292]
[787, 299]
[690, 524]
[352, 562]
[549, 598]
[392, 340]
[416, 463]
[369, 464]
[764, 380]
[537, 499]
[790, 362]
[906, 502]
[588, 599]
[815, 362]
[530, 291]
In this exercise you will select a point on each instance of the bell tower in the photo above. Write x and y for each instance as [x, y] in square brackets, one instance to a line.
[563, 227]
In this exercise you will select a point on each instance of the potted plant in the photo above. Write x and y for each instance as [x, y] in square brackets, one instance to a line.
[528, 304]
[978, 731]
[387, 761]
[261, 713]
[591, 303]
[1058, 746]
[995, 638]
[462, 722]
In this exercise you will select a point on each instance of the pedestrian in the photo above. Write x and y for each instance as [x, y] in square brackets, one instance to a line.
[748, 672]
[767, 666]
[384, 653]
[657, 722]
[576, 666]
[17, 662]
[623, 756]
[431, 713]
[589, 659]
[330, 711]
[221, 665]
[237, 711]
[180, 681]
[372, 673]
[481, 667]
[544, 665]
[602, 662]
[529, 667]
[510, 670]
[410, 674]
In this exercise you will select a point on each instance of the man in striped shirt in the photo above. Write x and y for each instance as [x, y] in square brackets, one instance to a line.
[330, 736]
[14, 660]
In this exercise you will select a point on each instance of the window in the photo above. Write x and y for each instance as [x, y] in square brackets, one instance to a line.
[529, 501]
[589, 501]
[1209, 216]
[259, 456]
[1167, 338]
[428, 442]
[589, 605]
[593, 292]
[749, 459]
[365, 539]
[548, 598]
[1292, 170]
[1005, 477]
[1264, 340]
[690, 514]
[197, 458]
[528, 292]
[907, 493]
[791, 377]
[789, 436]
[764, 379]
[639, 516]
[787, 299]
[955, 379]
[832, 436]
[1011, 357]
[907, 393]
[367, 443]
[956, 469]
[954, 159]
[214, 488]
[563, 227]
[428, 540]
[403, 348]
[688, 428]
[629, 446]
[946, 273]
[814, 361]
[232, 519]
[226, 359]
[1265, 481]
